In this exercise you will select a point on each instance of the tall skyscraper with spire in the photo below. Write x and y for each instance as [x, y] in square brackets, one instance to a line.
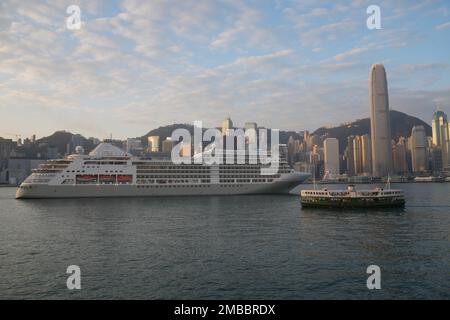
[441, 136]
[439, 125]
[379, 122]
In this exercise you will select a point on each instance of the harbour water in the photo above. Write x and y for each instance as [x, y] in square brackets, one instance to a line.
[237, 247]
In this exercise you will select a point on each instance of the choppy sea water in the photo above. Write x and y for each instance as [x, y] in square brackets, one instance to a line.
[236, 247]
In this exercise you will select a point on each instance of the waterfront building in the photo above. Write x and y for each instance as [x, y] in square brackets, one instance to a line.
[291, 151]
[419, 149]
[380, 122]
[350, 156]
[331, 155]
[94, 141]
[186, 149]
[250, 139]
[167, 145]
[250, 125]
[441, 136]
[52, 152]
[399, 157]
[227, 124]
[314, 140]
[366, 148]
[6, 147]
[436, 161]
[20, 168]
[438, 127]
[357, 155]
[153, 144]
[133, 144]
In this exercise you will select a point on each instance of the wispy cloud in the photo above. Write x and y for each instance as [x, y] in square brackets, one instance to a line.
[137, 64]
[443, 26]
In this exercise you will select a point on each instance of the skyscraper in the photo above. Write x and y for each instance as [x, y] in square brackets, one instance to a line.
[133, 144]
[399, 156]
[250, 125]
[438, 126]
[357, 155]
[331, 155]
[167, 145]
[153, 144]
[379, 122]
[366, 154]
[227, 124]
[441, 134]
[251, 136]
[350, 155]
[419, 149]
[291, 151]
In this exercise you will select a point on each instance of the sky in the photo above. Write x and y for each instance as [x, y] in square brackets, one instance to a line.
[133, 66]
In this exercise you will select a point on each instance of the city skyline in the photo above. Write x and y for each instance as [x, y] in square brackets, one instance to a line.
[414, 152]
[284, 64]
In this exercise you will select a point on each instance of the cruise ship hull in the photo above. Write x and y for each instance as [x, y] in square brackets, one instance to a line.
[99, 191]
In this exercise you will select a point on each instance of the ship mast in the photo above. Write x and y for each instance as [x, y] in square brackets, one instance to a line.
[388, 182]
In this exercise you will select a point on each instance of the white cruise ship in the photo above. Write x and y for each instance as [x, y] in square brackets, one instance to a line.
[110, 172]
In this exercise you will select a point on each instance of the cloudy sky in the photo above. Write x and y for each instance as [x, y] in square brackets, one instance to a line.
[135, 65]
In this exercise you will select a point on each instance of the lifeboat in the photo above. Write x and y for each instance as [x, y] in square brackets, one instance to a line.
[124, 178]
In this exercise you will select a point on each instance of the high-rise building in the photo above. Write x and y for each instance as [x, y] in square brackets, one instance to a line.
[357, 155]
[227, 124]
[251, 137]
[6, 147]
[379, 122]
[250, 125]
[438, 127]
[316, 158]
[440, 132]
[399, 157]
[419, 149]
[133, 144]
[153, 143]
[350, 156]
[186, 150]
[366, 154]
[306, 139]
[167, 145]
[291, 151]
[331, 155]
[436, 160]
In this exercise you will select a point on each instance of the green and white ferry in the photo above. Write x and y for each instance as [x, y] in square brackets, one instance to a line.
[351, 198]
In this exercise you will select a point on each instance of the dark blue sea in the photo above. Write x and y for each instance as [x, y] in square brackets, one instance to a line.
[236, 247]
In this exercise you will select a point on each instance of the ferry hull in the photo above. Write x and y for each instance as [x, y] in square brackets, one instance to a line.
[353, 203]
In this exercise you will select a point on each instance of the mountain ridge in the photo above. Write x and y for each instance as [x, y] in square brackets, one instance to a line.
[401, 125]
